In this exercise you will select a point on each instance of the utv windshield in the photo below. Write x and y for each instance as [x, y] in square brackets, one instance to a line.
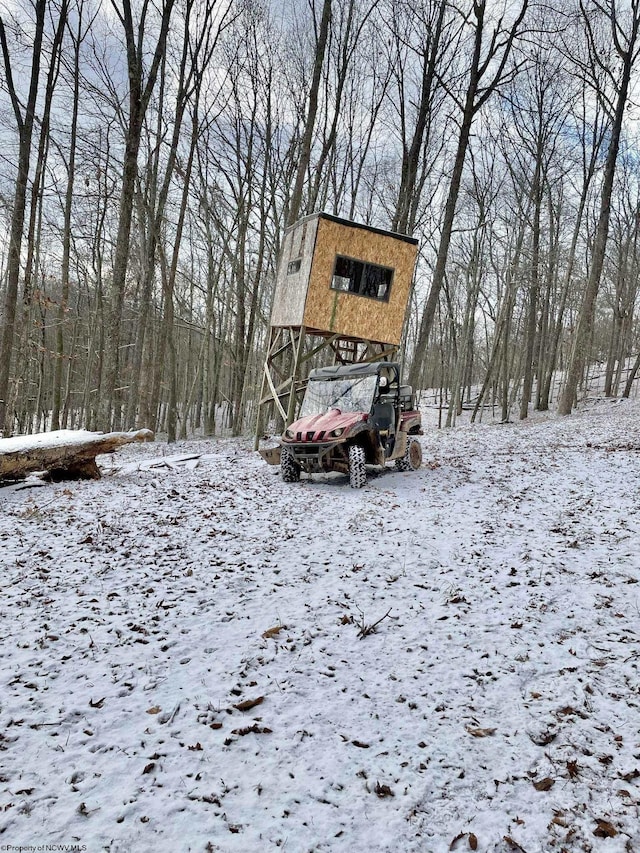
[348, 395]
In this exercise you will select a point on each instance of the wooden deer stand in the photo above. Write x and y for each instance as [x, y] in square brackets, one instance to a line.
[342, 289]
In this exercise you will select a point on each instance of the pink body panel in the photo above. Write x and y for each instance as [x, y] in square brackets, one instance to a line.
[319, 427]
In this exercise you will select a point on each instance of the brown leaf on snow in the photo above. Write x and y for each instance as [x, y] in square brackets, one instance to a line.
[254, 729]
[149, 767]
[513, 845]
[569, 711]
[383, 791]
[477, 732]
[248, 704]
[97, 704]
[573, 769]
[155, 710]
[604, 829]
[360, 744]
[628, 777]
[544, 784]
[473, 841]
[272, 632]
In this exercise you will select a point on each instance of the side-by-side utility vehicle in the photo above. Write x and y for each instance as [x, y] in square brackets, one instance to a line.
[352, 416]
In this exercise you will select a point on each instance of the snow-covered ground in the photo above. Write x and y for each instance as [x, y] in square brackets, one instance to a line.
[186, 660]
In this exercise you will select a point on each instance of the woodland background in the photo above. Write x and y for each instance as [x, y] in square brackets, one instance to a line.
[153, 153]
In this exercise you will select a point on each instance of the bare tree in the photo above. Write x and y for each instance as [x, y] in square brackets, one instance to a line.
[622, 275]
[538, 104]
[195, 54]
[304, 156]
[77, 36]
[589, 127]
[428, 19]
[487, 70]
[140, 90]
[623, 30]
[24, 123]
[348, 23]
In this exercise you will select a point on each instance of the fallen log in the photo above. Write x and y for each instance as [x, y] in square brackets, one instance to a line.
[62, 454]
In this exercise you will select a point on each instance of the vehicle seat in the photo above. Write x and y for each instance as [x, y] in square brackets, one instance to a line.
[383, 416]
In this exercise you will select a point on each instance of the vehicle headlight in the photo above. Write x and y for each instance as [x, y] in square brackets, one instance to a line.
[289, 433]
[336, 433]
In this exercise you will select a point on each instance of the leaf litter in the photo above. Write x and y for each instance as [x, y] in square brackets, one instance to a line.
[494, 707]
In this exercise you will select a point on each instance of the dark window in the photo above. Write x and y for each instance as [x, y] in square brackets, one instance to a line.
[370, 280]
[294, 266]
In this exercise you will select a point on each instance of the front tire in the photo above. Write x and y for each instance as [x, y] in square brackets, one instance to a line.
[289, 468]
[412, 458]
[357, 470]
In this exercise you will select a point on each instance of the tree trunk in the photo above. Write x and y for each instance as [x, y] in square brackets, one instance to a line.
[62, 455]
[304, 157]
[473, 101]
[139, 96]
[534, 286]
[406, 206]
[66, 230]
[25, 131]
[585, 319]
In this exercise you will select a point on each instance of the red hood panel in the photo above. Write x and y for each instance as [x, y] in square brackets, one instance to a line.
[324, 424]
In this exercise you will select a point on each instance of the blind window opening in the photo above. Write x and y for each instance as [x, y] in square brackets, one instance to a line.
[371, 280]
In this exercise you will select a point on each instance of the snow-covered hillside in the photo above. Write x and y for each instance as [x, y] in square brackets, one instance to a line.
[187, 661]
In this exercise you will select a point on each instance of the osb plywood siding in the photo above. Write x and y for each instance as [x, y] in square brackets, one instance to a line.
[347, 313]
[291, 288]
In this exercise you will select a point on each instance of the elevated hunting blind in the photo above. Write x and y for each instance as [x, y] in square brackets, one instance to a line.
[340, 285]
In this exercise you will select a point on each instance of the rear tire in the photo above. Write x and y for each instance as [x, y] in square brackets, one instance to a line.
[289, 468]
[412, 458]
[357, 470]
